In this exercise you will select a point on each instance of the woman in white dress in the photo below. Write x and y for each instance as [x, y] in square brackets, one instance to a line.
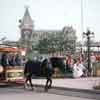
[78, 69]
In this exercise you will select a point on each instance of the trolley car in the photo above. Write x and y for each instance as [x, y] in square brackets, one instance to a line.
[11, 74]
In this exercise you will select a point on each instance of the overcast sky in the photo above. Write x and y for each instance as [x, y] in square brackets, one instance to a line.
[50, 14]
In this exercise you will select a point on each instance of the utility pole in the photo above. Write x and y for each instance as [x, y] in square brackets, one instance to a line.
[82, 26]
[88, 35]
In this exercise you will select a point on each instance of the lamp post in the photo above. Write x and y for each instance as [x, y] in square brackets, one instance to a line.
[88, 35]
[98, 48]
[82, 24]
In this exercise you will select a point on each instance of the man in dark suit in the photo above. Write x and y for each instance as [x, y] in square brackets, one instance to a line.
[49, 72]
[28, 71]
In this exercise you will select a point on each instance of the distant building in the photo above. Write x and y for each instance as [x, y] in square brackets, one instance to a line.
[30, 36]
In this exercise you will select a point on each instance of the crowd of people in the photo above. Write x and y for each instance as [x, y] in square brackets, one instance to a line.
[33, 67]
[79, 66]
[10, 59]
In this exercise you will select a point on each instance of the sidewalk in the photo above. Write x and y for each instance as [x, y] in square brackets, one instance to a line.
[79, 83]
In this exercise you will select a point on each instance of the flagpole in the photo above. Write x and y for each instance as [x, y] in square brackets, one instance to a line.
[82, 26]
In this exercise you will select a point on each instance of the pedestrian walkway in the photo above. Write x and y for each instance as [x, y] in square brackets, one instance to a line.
[68, 83]
[79, 83]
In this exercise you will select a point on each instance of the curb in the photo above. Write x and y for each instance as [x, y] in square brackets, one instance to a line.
[72, 89]
[11, 84]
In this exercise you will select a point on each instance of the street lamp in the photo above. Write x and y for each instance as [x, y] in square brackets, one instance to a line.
[98, 48]
[82, 24]
[88, 35]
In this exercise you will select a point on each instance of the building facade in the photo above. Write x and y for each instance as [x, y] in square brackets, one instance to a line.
[29, 36]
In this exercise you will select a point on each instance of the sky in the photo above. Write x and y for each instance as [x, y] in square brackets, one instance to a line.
[50, 15]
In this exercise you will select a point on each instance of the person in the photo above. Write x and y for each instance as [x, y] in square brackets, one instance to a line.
[28, 70]
[11, 60]
[17, 60]
[69, 63]
[93, 64]
[23, 61]
[4, 60]
[78, 69]
[4, 64]
[49, 72]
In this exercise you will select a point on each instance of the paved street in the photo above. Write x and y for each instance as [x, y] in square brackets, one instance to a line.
[18, 93]
[38, 94]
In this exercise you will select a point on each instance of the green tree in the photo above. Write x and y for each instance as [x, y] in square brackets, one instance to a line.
[43, 45]
[59, 42]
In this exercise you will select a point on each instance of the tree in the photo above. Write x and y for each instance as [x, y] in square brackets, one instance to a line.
[43, 45]
[60, 42]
